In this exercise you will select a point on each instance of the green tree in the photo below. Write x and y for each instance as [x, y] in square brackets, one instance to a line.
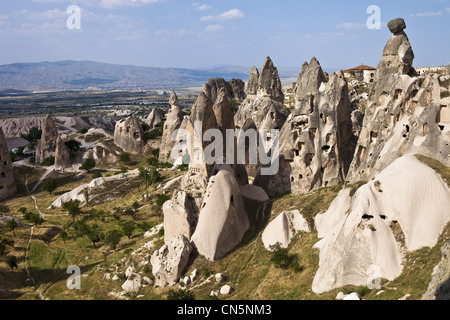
[96, 175]
[73, 146]
[144, 174]
[12, 262]
[49, 161]
[125, 157]
[80, 228]
[50, 185]
[282, 259]
[12, 225]
[4, 244]
[88, 165]
[128, 228]
[64, 235]
[94, 234]
[131, 213]
[112, 238]
[154, 175]
[22, 210]
[73, 208]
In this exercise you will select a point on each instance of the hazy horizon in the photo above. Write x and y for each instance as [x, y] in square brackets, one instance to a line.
[209, 33]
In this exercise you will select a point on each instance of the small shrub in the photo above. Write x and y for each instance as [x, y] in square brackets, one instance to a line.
[96, 175]
[49, 161]
[180, 295]
[282, 259]
[161, 200]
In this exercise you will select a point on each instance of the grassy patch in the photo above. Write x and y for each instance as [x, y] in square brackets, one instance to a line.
[442, 170]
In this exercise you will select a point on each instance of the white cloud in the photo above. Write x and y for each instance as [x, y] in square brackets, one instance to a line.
[214, 28]
[350, 25]
[3, 17]
[427, 14]
[203, 7]
[228, 15]
[448, 10]
[126, 3]
[53, 14]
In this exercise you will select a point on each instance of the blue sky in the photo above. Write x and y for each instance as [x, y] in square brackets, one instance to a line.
[201, 33]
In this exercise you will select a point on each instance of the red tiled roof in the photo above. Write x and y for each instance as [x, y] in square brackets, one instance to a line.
[359, 68]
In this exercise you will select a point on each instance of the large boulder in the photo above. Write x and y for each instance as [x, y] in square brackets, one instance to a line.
[133, 283]
[283, 228]
[405, 208]
[223, 221]
[129, 135]
[179, 216]
[169, 262]
[47, 145]
[7, 182]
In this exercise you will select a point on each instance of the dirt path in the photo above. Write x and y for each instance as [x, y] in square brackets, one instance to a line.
[26, 256]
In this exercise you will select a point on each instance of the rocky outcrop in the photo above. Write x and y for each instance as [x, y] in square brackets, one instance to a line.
[403, 115]
[222, 220]
[7, 182]
[62, 155]
[169, 262]
[439, 287]
[173, 122]
[397, 58]
[154, 118]
[269, 83]
[133, 283]
[180, 216]
[129, 135]
[252, 86]
[15, 127]
[47, 145]
[234, 89]
[238, 89]
[283, 228]
[264, 103]
[403, 209]
[316, 141]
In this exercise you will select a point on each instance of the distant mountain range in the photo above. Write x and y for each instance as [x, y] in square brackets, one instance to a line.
[81, 75]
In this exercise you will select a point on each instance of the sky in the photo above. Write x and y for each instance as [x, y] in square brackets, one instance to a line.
[204, 33]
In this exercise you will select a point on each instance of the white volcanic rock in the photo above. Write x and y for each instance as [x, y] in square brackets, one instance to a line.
[133, 283]
[169, 261]
[129, 135]
[283, 228]
[179, 216]
[357, 233]
[222, 220]
[154, 118]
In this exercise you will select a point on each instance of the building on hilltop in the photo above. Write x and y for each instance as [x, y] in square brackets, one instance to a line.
[361, 73]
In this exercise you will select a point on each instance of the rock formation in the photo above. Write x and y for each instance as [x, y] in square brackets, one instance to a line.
[129, 135]
[283, 228]
[173, 122]
[316, 141]
[234, 89]
[169, 262]
[154, 118]
[7, 182]
[47, 145]
[222, 220]
[62, 155]
[404, 208]
[264, 103]
[238, 89]
[439, 287]
[402, 115]
[180, 216]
